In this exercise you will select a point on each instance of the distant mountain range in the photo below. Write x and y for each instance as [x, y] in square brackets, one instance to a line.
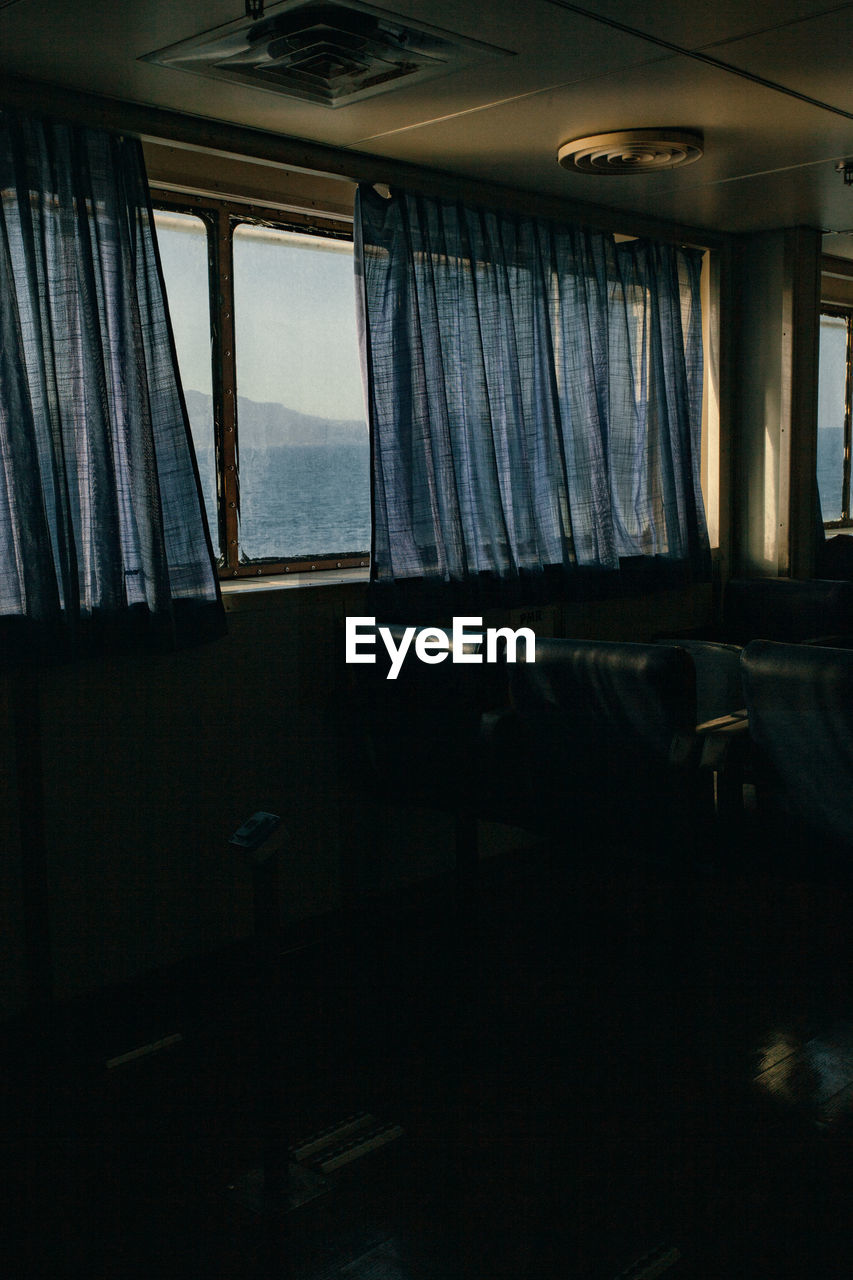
[264, 426]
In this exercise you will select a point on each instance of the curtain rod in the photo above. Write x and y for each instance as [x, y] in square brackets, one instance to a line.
[243, 142]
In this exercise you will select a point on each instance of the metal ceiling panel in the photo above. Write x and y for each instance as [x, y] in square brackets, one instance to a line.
[768, 157]
[811, 57]
[748, 130]
[95, 49]
[704, 23]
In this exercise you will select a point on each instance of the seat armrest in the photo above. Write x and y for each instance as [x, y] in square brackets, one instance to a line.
[725, 747]
[721, 739]
[735, 722]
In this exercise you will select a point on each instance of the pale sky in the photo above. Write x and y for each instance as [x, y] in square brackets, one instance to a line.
[294, 313]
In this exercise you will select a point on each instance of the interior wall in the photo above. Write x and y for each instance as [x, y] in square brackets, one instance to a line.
[759, 406]
[12, 962]
[774, 408]
[150, 761]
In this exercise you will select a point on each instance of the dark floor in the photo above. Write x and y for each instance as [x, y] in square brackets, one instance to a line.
[610, 1064]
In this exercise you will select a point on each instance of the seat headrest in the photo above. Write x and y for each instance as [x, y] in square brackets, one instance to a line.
[609, 691]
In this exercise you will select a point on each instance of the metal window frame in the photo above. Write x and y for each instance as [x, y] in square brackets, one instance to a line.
[221, 217]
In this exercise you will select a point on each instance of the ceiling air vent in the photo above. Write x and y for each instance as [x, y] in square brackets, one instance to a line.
[631, 151]
[332, 54]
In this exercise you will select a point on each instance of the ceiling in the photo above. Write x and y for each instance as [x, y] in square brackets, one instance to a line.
[769, 84]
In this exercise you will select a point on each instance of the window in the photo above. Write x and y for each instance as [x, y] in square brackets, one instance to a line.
[835, 400]
[264, 318]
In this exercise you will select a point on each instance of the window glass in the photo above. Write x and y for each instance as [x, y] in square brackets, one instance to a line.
[304, 458]
[183, 251]
[831, 396]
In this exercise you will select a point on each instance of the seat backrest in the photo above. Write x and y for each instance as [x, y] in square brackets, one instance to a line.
[602, 711]
[800, 704]
[786, 609]
[834, 557]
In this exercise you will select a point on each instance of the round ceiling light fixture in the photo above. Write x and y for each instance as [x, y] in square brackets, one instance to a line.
[632, 151]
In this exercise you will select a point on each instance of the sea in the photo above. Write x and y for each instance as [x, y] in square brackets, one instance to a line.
[298, 500]
[830, 462]
[309, 500]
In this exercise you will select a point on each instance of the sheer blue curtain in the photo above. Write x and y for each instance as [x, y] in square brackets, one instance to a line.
[102, 529]
[534, 393]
